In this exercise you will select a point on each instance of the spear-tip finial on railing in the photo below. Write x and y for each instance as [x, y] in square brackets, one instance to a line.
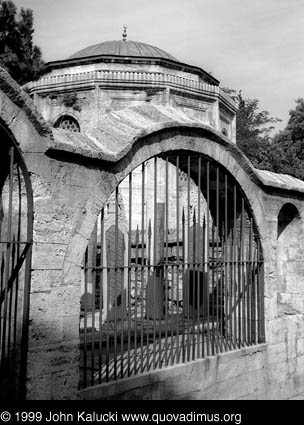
[124, 34]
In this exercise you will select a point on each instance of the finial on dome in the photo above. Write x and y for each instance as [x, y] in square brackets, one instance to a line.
[124, 34]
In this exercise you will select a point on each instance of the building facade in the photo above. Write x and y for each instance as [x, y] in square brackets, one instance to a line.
[142, 255]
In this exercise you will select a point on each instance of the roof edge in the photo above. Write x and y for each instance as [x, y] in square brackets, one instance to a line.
[49, 66]
[20, 98]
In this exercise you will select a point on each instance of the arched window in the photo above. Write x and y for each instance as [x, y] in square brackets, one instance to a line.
[225, 132]
[66, 122]
[172, 272]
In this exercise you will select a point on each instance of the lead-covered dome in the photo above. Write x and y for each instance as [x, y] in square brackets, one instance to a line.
[123, 48]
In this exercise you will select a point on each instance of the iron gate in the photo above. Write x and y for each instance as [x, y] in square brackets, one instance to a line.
[16, 217]
[173, 271]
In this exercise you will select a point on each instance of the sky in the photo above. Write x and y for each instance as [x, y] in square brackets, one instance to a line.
[256, 46]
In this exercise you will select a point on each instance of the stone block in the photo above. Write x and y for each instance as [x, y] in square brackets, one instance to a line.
[45, 280]
[48, 256]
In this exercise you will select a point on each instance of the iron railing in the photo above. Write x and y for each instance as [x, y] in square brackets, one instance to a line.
[16, 216]
[173, 271]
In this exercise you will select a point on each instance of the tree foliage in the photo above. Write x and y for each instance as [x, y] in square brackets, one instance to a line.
[281, 153]
[288, 145]
[253, 130]
[18, 54]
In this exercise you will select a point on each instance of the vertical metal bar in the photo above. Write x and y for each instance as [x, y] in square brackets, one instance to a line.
[129, 274]
[177, 260]
[249, 284]
[166, 263]
[252, 279]
[1, 291]
[194, 283]
[260, 284]
[239, 281]
[142, 266]
[136, 298]
[226, 259]
[93, 274]
[85, 261]
[101, 294]
[223, 298]
[183, 287]
[188, 257]
[121, 270]
[204, 286]
[208, 257]
[108, 312]
[234, 260]
[243, 283]
[199, 265]
[148, 303]
[10, 301]
[19, 235]
[115, 280]
[214, 350]
[8, 254]
[154, 263]
[218, 280]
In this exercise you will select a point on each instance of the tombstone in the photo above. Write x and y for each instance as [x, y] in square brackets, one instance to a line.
[115, 253]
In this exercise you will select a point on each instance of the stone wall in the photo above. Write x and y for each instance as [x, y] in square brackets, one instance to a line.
[70, 187]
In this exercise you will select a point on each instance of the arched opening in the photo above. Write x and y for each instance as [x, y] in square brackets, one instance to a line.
[16, 221]
[289, 260]
[66, 122]
[172, 272]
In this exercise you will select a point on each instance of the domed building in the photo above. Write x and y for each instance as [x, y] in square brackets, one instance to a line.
[78, 92]
[142, 255]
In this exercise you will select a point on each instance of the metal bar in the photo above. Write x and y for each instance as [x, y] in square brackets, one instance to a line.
[242, 275]
[213, 346]
[239, 281]
[10, 301]
[114, 274]
[207, 258]
[226, 259]
[199, 268]
[1, 289]
[183, 287]
[19, 224]
[218, 281]
[101, 295]
[195, 282]
[166, 262]
[154, 262]
[188, 257]
[129, 274]
[249, 286]
[177, 259]
[260, 284]
[142, 267]
[93, 260]
[147, 301]
[204, 286]
[136, 298]
[253, 298]
[14, 272]
[8, 255]
[234, 259]
[85, 323]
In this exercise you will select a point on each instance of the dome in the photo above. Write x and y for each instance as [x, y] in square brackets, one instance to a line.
[123, 48]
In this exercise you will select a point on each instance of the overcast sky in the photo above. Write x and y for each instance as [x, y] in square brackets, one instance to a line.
[253, 45]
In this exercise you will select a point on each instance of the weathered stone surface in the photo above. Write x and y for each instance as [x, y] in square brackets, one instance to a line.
[73, 181]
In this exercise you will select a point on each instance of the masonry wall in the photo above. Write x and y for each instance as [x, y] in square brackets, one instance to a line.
[69, 192]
